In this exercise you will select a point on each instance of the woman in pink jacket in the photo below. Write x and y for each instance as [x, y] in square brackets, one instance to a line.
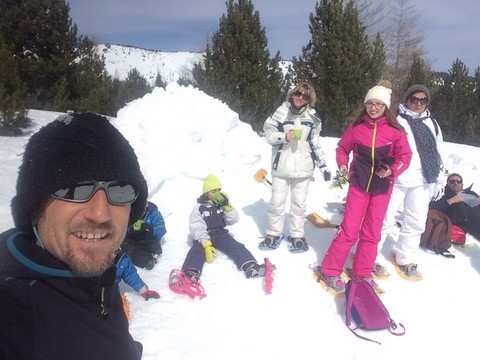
[380, 152]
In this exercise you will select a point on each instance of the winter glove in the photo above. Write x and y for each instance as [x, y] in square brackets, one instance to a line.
[149, 294]
[437, 191]
[210, 251]
[142, 230]
[223, 200]
[138, 225]
[327, 175]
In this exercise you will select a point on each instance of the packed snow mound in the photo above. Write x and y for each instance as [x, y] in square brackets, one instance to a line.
[174, 136]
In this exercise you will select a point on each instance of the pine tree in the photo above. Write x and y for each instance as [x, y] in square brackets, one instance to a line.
[134, 86]
[237, 67]
[40, 34]
[159, 81]
[340, 62]
[60, 71]
[476, 106]
[12, 94]
[88, 80]
[419, 73]
[455, 103]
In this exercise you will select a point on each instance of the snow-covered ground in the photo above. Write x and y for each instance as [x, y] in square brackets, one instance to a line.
[180, 135]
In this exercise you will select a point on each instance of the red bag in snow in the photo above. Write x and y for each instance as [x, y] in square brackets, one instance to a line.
[458, 235]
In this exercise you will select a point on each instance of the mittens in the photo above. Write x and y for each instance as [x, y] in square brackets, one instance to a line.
[210, 251]
[149, 294]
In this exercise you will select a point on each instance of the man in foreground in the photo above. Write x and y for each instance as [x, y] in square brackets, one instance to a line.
[78, 188]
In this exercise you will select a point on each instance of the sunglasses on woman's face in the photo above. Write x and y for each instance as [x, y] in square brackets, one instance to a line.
[118, 193]
[298, 93]
[455, 181]
[415, 100]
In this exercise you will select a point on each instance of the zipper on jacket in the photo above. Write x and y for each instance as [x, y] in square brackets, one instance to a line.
[372, 168]
[103, 307]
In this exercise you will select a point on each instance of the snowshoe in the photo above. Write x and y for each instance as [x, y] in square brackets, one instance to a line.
[268, 282]
[378, 290]
[408, 272]
[270, 242]
[297, 244]
[180, 283]
[333, 285]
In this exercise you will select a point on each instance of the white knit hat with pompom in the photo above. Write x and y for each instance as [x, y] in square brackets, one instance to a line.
[380, 92]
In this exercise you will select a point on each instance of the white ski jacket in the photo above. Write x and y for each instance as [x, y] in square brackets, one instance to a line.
[413, 175]
[297, 158]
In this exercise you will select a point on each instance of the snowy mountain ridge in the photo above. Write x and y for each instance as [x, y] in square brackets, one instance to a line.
[120, 59]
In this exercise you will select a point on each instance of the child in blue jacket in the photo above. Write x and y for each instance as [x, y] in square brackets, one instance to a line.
[142, 241]
[127, 272]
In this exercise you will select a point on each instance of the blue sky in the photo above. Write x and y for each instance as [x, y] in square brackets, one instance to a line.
[451, 28]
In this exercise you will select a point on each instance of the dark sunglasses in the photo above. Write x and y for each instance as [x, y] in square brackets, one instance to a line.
[118, 193]
[302, 95]
[454, 181]
[415, 100]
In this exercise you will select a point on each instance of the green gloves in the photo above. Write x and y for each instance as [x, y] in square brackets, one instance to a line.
[222, 199]
[141, 231]
[210, 251]
[138, 225]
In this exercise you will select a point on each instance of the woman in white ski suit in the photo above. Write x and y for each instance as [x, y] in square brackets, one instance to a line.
[421, 181]
[293, 161]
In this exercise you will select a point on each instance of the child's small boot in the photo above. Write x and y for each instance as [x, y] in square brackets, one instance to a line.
[252, 269]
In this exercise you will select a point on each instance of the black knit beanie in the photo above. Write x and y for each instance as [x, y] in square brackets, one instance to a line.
[415, 89]
[74, 148]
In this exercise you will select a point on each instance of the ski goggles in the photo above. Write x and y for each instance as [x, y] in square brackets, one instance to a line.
[118, 193]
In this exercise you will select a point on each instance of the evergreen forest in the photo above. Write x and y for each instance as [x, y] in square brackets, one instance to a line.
[46, 65]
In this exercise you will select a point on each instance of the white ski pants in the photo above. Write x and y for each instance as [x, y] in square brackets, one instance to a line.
[415, 201]
[298, 202]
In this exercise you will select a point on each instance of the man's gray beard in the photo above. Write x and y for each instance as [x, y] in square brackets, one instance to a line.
[95, 266]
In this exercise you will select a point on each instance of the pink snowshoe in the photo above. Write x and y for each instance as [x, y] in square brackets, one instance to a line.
[179, 283]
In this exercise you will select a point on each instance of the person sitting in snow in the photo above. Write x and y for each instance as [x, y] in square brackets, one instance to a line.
[127, 272]
[460, 205]
[142, 241]
[212, 213]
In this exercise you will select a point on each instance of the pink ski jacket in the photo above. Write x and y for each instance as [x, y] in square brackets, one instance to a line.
[373, 142]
